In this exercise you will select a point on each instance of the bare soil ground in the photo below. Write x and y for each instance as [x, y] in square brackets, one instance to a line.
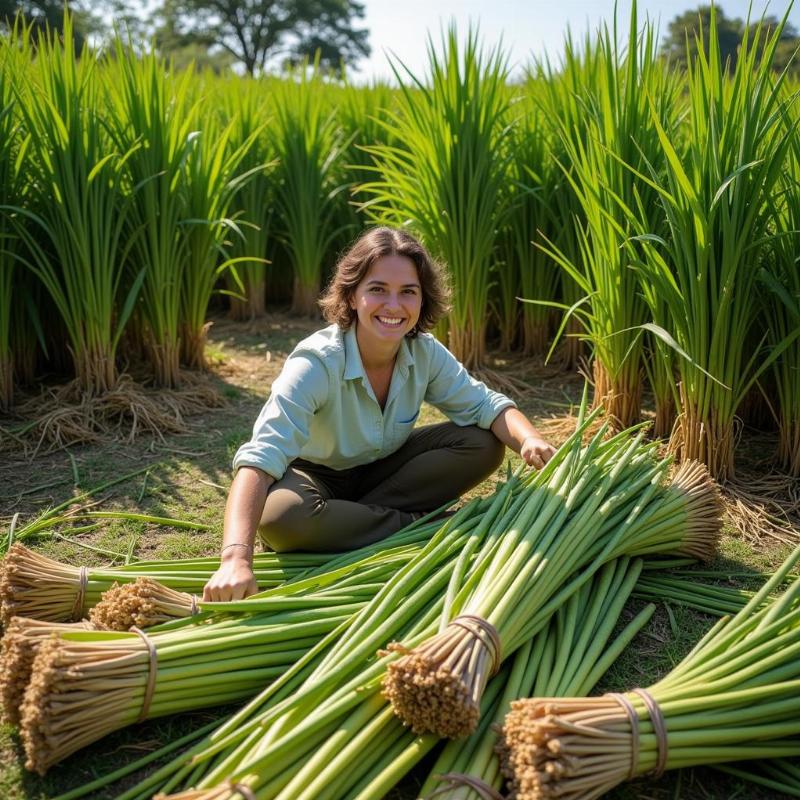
[187, 476]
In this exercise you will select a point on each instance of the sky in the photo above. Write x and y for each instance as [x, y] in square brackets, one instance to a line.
[525, 26]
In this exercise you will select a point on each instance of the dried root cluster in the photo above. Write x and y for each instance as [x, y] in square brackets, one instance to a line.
[704, 509]
[18, 650]
[577, 749]
[438, 686]
[79, 692]
[142, 604]
[32, 585]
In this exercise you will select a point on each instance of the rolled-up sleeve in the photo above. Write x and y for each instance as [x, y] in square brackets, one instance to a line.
[282, 427]
[458, 395]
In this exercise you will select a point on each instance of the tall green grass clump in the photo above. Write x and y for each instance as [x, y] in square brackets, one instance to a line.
[245, 101]
[307, 141]
[717, 196]
[562, 92]
[213, 175]
[155, 118]
[782, 305]
[12, 188]
[448, 180]
[536, 180]
[628, 87]
[79, 205]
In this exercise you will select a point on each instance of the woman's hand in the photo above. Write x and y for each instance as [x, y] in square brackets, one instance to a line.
[536, 452]
[234, 580]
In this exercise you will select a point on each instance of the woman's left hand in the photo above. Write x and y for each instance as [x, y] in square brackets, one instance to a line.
[536, 452]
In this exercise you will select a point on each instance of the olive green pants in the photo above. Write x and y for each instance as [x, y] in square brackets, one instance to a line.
[315, 508]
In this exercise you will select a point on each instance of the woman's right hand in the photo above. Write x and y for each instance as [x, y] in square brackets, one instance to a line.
[234, 580]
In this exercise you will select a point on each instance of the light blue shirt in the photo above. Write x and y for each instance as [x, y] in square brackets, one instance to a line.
[322, 407]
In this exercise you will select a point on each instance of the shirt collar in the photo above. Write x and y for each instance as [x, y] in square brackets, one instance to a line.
[354, 367]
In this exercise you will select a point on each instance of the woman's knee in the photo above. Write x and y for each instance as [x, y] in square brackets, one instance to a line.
[486, 446]
[289, 520]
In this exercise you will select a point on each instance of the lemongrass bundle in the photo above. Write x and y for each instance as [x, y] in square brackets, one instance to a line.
[249, 641]
[33, 585]
[734, 697]
[18, 650]
[568, 657]
[146, 602]
[86, 684]
[593, 504]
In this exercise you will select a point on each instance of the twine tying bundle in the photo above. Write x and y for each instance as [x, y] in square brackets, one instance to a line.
[456, 779]
[486, 634]
[152, 673]
[80, 598]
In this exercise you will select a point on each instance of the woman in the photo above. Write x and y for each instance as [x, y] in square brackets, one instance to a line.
[335, 461]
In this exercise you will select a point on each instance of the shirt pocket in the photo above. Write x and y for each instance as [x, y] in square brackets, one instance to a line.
[410, 421]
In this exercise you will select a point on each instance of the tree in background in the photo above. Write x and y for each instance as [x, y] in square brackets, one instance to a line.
[49, 14]
[684, 31]
[256, 32]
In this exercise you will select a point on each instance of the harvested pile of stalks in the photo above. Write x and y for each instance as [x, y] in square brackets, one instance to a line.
[733, 698]
[33, 585]
[588, 506]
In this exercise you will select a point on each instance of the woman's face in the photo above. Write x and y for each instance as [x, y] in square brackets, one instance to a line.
[388, 299]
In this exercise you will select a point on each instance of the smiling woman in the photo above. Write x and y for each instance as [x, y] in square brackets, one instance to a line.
[335, 462]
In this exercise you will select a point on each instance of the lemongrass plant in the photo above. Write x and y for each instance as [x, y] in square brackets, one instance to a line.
[154, 114]
[631, 91]
[781, 309]
[214, 174]
[307, 140]
[563, 95]
[81, 201]
[359, 111]
[448, 180]
[243, 100]
[734, 697]
[538, 181]
[716, 195]
[12, 188]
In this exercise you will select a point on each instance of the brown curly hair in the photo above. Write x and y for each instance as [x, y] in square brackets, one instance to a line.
[356, 262]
